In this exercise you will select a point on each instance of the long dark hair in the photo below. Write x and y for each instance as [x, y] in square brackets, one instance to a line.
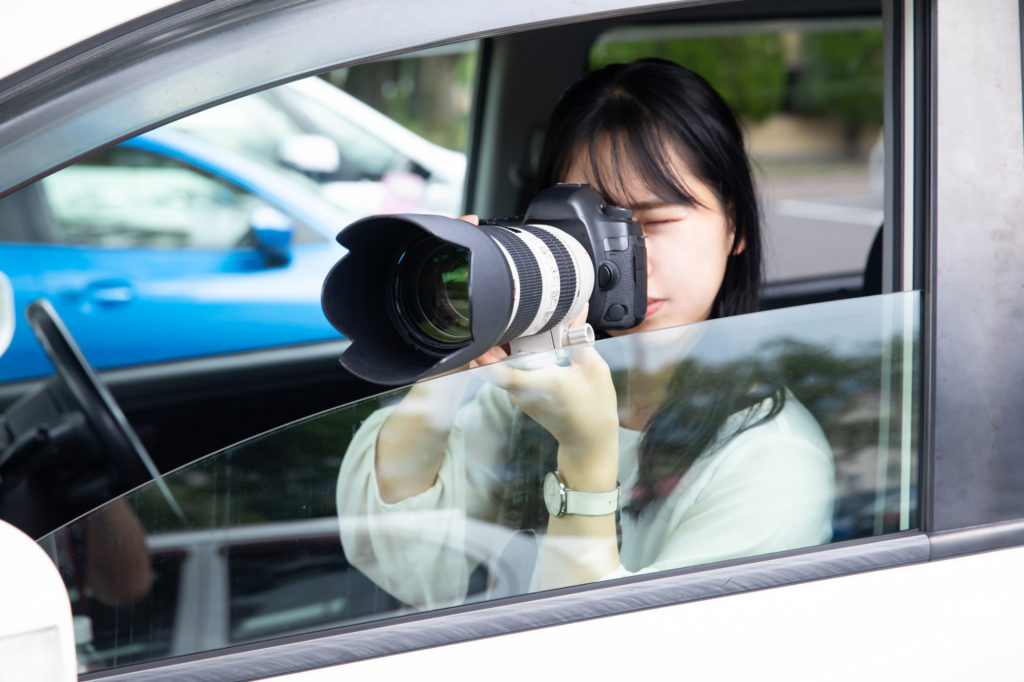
[650, 111]
[646, 110]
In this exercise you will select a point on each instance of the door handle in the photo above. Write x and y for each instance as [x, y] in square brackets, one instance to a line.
[110, 292]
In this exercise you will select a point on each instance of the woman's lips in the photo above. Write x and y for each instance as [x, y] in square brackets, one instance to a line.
[654, 305]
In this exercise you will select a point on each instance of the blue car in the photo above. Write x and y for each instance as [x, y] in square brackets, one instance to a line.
[168, 247]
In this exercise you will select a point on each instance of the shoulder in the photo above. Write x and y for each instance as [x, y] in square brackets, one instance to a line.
[792, 424]
[786, 450]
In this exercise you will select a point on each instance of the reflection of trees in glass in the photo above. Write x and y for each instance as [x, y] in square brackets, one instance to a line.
[845, 394]
[291, 474]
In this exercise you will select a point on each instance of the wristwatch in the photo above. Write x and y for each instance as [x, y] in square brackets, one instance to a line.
[562, 501]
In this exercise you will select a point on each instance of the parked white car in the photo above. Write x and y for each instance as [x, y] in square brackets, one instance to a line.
[363, 161]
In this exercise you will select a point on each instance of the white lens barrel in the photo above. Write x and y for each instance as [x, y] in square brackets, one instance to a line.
[552, 273]
[550, 280]
[584, 270]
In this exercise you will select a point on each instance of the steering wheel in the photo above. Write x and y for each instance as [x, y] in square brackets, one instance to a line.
[128, 455]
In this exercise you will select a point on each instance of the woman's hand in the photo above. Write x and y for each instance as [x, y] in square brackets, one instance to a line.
[576, 403]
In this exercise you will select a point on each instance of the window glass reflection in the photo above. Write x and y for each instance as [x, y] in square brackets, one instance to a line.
[289, 533]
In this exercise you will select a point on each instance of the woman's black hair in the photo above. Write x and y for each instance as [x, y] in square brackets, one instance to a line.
[652, 113]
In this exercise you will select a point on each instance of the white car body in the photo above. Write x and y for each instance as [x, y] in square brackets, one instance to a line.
[436, 185]
[941, 602]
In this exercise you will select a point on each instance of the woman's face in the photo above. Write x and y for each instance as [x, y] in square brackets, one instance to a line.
[687, 246]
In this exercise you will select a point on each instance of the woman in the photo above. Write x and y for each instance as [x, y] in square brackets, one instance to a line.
[707, 468]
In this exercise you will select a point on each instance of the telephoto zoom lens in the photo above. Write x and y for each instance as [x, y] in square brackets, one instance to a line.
[422, 294]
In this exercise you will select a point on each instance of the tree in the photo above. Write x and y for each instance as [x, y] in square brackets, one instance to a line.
[749, 71]
[841, 76]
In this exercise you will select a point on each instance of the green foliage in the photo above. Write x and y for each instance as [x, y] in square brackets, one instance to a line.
[842, 77]
[749, 71]
[839, 76]
[430, 95]
[286, 475]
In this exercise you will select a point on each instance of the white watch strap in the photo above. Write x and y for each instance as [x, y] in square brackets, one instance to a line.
[591, 504]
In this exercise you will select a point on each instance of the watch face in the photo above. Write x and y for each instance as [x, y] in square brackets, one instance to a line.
[553, 494]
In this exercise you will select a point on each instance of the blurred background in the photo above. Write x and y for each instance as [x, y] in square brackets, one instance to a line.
[213, 234]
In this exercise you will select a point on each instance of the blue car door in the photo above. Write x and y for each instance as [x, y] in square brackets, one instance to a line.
[149, 259]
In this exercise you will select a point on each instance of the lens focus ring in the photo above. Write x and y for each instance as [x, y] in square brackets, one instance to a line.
[567, 272]
[530, 282]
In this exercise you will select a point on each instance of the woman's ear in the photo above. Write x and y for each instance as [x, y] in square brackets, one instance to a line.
[739, 241]
[739, 244]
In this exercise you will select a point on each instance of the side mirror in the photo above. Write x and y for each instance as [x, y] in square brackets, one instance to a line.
[311, 154]
[37, 635]
[272, 231]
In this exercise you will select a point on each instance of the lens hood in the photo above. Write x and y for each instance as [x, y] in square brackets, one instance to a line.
[358, 295]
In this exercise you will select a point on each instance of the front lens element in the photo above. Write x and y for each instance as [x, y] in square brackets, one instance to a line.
[432, 292]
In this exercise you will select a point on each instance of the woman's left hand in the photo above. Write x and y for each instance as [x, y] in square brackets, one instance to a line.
[577, 404]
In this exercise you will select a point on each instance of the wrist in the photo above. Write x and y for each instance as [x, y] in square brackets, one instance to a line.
[590, 470]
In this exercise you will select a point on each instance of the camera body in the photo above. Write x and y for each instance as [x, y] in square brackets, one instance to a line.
[614, 242]
[422, 294]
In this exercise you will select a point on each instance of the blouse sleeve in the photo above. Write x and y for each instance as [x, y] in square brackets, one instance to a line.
[769, 490]
[423, 549]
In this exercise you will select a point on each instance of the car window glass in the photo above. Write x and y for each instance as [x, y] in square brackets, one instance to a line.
[287, 532]
[127, 198]
[810, 96]
[384, 137]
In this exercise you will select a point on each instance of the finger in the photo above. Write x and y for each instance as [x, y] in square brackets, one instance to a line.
[582, 317]
[492, 355]
[496, 373]
[588, 358]
[471, 218]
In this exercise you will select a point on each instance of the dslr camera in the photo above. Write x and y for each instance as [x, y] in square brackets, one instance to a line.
[423, 294]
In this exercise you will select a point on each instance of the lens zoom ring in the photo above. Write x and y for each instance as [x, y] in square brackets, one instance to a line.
[566, 271]
[530, 282]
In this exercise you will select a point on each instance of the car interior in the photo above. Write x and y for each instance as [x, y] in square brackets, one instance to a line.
[517, 79]
[228, 398]
[513, 98]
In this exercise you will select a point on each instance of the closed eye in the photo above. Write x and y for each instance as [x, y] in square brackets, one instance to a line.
[661, 222]
[661, 216]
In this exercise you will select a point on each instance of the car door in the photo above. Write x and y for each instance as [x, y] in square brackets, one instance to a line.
[151, 257]
[926, 598]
